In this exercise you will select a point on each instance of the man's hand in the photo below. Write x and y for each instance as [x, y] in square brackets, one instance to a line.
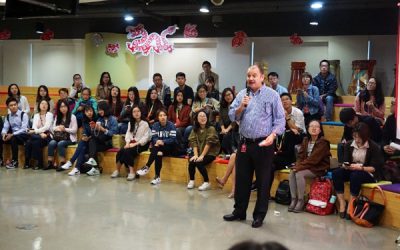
[245, 101]
[268, 141]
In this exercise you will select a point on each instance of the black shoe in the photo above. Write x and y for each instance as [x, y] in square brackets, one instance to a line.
[26, 167]
[342, 215]
[232, 217]
[257, 223]
[37, 167]
[253, 186]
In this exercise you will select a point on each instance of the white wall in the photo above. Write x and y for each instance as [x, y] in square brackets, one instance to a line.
[54, 62]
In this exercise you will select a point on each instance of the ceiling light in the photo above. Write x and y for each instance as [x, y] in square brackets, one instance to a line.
[316, 5]
[39, 29]
[128, 18]
[204, 9]
[314, 23]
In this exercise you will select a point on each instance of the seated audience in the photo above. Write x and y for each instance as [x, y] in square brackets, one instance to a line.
[205, 144]
[230, 170]
[179, 115]
[313, 160]
[23, 105]
[163, 90]
[115, 102]
[308, 99]
[163, 143]
[14, 130]
[64, 133]
[389, 133]
[77, 87]
[103, 90]
[206, 65]
[153, 105]
[89, 126]
[327, 85]
[371, 101]
[43, 94]
[137, 140]
[229, 133]
[212, 92]
[85, 100]
[39, 136]
[188, 94]
[125, 116]
[362, 163]
[273, 79]
[203, 103]
[63, 93]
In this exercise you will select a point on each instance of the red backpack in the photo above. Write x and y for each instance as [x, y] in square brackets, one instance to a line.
[319, 200]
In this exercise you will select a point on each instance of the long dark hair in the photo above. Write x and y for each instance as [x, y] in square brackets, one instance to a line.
[157, 102]
[9, 90]
[201, 86]
[196, 124]
[103, 105]
[223, 103]
[136, 101]
[118, 104]
[40, 101]
[101, 78]
[60, 115]
[320, 126]
[85, 118]
[132, 119]
[39, 97]
[175, 103]
[379, 97]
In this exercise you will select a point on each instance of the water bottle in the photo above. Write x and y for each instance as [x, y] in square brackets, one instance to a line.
[332, 200]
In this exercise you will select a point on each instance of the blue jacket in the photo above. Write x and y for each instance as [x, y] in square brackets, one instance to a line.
[167, 133]
[92, 102]
[87, 130]
[111, 126]
[312, 101]
[326, 85]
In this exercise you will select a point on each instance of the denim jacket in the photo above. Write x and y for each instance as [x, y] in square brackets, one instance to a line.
[312, 101]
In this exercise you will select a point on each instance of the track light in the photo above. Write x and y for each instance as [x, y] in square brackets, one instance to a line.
[39, 29]
[128, 18]
[204, 9]
[316, 5]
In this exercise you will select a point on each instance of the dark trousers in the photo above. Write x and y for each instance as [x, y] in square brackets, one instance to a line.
[1, 147]
[166, 150]
[127, 155]
[100, 143]
[201, 166]
[34, 149]
[356, 178]
[79, 154]
[259, 160]
[15, 141]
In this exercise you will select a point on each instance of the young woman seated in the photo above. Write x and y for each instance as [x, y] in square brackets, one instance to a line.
[85, 100]
[308, 99]
[43, 94]
[313, 160]
[115, 102]
[229, 134]
[23, 104]
[153, 105]
[203, 103]
[126, 112]
[205, 144]
[137, 140]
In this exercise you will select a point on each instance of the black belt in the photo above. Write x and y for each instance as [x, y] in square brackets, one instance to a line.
[250, 140]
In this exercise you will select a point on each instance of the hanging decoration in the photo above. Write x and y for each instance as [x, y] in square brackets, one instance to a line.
[5, 34]
[190, 31]
[146, 43]
[295, 39]
[240, 39]
[112, 49]
[97, 39]
[47, 35]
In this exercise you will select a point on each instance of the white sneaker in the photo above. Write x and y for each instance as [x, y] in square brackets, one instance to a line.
[143, 171]
[66, 165]
[205, 186]
[115, 174]
[73, 172]
[93, 172]
[91, 162]
[130, 177]
[190, 185]
[156, 181]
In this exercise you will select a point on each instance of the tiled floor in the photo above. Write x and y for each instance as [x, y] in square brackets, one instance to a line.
[49, 210]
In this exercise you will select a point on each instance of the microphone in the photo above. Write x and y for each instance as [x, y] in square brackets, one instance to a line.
[247, 94]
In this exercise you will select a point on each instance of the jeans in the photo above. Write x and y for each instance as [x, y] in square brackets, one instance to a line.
[79, 154]
[122, 128]
[356, 178]
[60, 146]
[329, 100]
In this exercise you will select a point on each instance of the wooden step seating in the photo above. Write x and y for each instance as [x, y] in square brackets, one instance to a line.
[391, 215]
[333, 131]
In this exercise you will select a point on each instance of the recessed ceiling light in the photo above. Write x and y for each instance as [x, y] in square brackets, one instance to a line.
[316, 5]
[204, 9]
[128, 18]
[314, 23]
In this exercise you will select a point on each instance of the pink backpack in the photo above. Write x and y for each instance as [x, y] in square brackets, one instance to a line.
[319, 200]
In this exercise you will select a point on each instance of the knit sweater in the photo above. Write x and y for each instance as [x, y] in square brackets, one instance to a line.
[203, 137]
[142, 135]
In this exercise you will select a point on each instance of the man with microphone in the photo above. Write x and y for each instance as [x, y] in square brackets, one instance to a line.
[261, 116]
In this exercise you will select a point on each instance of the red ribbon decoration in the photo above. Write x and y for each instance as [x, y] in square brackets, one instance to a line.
[190, 31]
[5, 34]
[295, 39]
[47, 35]
[239, 39]
[112, 48]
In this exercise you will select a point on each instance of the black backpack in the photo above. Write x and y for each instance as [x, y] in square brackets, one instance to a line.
[282, 195]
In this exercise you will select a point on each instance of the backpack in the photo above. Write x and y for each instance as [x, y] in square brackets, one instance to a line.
[391, 171]
[319, 197]
[282, 195]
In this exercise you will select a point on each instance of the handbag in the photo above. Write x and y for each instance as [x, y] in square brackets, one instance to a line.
[60, 136]
[364, 212]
